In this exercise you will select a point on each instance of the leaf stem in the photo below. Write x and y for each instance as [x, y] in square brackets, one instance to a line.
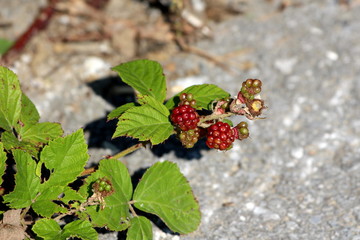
[116, 156]
[128, 151]
[132, 210]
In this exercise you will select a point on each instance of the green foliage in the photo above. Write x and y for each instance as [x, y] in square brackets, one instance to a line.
[116, 212]
[4, 45]
[140, 229]
[26, 182]
[47, 163]
[204, 94]
[150, 121]
[2, 161]
[10, 99]
[144, 76]
[49, 229]
[165, 192]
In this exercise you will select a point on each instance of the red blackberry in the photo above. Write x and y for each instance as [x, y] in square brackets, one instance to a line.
[185, 117]
[220, 136]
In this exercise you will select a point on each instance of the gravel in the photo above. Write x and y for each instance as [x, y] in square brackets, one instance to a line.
[297, 177]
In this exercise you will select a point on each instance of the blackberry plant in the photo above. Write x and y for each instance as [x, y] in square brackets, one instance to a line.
[48, 164]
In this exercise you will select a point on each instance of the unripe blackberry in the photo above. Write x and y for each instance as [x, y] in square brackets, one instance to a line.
[220, 136]
[187, 99]
[185, 117]
[241, 131]
[189, 138]
[250, 87]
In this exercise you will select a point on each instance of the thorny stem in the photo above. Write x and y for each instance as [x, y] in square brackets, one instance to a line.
[116, 156]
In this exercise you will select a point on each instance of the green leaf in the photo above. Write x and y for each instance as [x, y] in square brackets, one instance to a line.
[204, 95]
[140, 229]
[40, 132]
[116, 212]
[72, 195]
[10, 99]
[120, 110]
[29, 113]
[11, 142]
[147, 122]
[145, 76]
[65, 158]
[4, 45]
[81, 229]
[2, 162]
[165, 192]
[48, 229]
[45, 205]
[26, 182]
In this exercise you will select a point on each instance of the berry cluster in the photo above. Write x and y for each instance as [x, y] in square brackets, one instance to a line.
[250, 87]
[190, 127]
[103, 186]
[220, 136]
[184, 115]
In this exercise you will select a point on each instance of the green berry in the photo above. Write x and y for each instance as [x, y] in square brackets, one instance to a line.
[243, 125]
[244, 131]
[107, 188]
[101, 188]
[257, 90]
[249, 83]
[189, 97]
[103, 183]
[256, 83]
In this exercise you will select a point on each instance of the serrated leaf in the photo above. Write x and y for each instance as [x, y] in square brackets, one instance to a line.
[145, 76]
[2, 162]
[66, 158]
[72, 195]
[152, 102]
[29, 113]
[48, 229]
[120, 110]
[10, 99]
[145, 123]
[11, 142]
[45, 205]
[204, 95]
[40, 132]
[81, 229]
[26, 182]
[165, 192]
[116, 212]
[140, 229]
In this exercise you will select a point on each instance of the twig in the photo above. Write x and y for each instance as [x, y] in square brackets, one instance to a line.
[116, 156]
[40, 23]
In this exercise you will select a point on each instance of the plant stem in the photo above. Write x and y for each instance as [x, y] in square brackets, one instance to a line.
[131, 208]
[116, 156]
[203, 120]
[128, 151]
